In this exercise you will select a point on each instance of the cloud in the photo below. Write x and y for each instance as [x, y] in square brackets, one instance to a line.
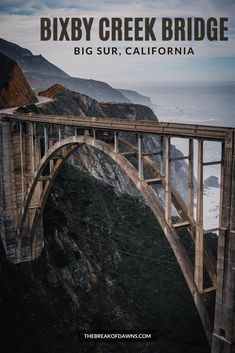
[187, 6]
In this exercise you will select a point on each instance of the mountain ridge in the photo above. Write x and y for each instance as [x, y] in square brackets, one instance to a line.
[67, 102]
[42, 74]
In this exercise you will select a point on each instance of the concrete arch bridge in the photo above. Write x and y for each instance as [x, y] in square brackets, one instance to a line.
[33, 149]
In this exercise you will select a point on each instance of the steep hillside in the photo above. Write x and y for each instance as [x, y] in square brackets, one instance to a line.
[29, 62]
[14, 89]
[106, 264]
[42, 74]
[137, 98]
[66, 102]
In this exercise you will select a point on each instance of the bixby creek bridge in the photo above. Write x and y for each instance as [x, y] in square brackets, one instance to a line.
[33, 149]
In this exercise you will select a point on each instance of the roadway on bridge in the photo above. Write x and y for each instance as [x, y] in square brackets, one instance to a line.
[124, 125]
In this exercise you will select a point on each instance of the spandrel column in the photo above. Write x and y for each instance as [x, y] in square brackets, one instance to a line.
[198, 273]
[167, 146]
[140, 157]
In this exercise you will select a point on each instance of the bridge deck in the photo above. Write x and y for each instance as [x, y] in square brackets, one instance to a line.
[124, 125]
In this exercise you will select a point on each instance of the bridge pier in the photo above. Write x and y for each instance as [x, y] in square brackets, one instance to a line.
[223, 340]
[116, 147]
[17, 159]
[199, 242]
[140, 157]
[32, 146]
[167, 154]
[191, 180]
[60, 133]
[45, 129]
[8, 189]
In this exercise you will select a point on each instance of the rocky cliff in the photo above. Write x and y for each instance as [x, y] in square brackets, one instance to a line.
[137, 98]
[106, 265]
[67, 102]
[14, 89]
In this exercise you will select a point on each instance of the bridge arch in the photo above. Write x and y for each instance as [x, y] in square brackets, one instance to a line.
[24, 137]
[59, 153]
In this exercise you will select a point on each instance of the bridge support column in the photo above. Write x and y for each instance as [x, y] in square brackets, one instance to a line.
[116, 147]
[18, 153]
[22, 162]
[168, 180]
[45, 139]
[32, 146]
[140, 157]
[162, 143]
[8, 188]
[60, 133]
[37, 145]
[191, 181]
[50, 139]
[199, 241]
[223, 340]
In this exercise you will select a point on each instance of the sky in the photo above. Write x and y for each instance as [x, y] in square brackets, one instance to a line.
[212, 62]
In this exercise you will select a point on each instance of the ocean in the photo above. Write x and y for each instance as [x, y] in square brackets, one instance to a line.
[206, 104]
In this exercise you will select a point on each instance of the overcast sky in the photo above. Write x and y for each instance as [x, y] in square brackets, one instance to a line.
[213, 61]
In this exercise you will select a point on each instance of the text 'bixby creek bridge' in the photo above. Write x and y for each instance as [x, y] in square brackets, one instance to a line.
[34, 147]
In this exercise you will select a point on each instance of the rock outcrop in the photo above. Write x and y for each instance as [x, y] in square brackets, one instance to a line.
[106, 265]
[212, 182]
[66, 102]
[14, 89]
[137, 98]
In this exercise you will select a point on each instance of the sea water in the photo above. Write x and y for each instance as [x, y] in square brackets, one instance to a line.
[206, 104]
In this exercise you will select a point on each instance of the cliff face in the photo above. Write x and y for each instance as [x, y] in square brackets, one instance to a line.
[106, 265]
[14, 89]
[137, 98]
[68, 102]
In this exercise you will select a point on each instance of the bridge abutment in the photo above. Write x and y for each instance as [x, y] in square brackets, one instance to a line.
[8, 190]
[16, 174]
